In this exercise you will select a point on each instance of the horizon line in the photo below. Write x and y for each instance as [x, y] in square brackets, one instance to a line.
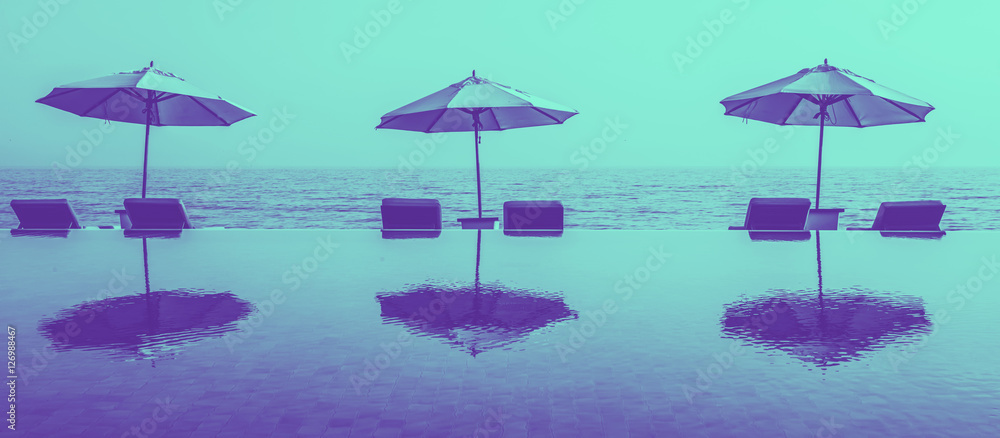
[686, 166]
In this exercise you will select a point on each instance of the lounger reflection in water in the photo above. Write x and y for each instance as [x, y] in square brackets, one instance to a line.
[533, 218]
[776, 219]
[908, 219]
[404, 218]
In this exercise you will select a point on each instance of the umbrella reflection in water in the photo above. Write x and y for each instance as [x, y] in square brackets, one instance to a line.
[826, 327]
[146, 326]
[474, 317]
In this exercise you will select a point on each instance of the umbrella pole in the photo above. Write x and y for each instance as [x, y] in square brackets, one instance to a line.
[479, 245]
[819, 163]
[145, 264]
[145, 154]
[479, 182]
[152, 308]
[819, 267]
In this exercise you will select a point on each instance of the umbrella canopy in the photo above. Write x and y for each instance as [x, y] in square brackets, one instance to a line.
[148, 96]
[476, 104]
[457, 108]
[826, 95]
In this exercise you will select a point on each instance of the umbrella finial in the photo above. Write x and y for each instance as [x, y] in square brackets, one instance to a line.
[150, 64]
[473, 73]
[824, 61]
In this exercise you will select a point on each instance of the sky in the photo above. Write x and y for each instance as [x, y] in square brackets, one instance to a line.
[645, 77]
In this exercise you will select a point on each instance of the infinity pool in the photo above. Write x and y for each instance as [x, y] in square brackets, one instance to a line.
[247, 333]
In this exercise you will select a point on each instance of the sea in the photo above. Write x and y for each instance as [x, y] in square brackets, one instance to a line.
[682, 198]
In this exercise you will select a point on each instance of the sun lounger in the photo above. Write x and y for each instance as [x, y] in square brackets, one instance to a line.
[908, 216]
[908, 219]
[44, 214]
[411, 214]
[157, 214]
[773, 214]
[533, 218]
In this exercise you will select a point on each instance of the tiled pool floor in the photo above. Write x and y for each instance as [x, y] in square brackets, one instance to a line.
[602, 333]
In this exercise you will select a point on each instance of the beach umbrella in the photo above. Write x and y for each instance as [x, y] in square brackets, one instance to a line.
[473, 317]
[148, 96]
[146, 325]
[476, 104]
[826, 96]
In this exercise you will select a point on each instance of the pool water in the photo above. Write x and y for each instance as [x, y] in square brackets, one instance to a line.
[338, 333]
